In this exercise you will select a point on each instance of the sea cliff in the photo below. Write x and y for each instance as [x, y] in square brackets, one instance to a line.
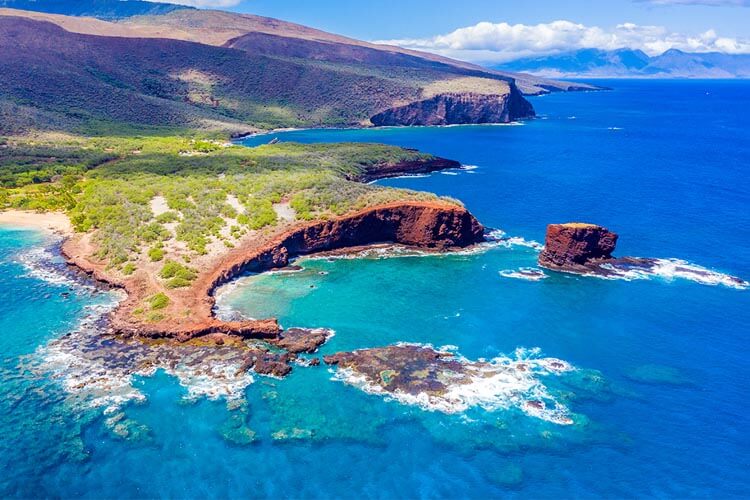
[464, 108]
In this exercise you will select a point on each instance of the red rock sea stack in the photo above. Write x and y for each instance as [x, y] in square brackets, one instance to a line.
[574, 245]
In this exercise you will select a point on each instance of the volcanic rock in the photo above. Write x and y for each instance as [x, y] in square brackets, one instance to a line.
[575, 246]
[297, 340]
[450, 109]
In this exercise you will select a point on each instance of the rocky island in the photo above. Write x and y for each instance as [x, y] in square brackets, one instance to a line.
[582, 248]
[577, 247]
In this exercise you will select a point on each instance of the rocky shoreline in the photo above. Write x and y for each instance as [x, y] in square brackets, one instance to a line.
[431, 226]
[189, 318]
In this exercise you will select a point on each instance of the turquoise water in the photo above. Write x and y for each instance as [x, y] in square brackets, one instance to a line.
[658, 397]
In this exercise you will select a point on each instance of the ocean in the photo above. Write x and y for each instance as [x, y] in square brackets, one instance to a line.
[655, 400]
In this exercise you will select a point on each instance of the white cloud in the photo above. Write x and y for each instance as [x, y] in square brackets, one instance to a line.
[202, 3]
[498, 42]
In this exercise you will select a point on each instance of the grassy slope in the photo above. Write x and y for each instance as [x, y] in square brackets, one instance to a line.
[107, 185]
[66, 80]
[269, 74]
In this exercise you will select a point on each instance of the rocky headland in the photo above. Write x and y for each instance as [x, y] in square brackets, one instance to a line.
[188, 316]
[452, 109]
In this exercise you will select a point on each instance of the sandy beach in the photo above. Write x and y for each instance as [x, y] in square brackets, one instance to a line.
[56, 222]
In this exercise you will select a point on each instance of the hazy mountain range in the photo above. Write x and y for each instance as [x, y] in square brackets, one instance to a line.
[625, 63]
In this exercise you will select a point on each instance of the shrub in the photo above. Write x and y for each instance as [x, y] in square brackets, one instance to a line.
[177, 275]
[158, 301]
[155, 317]
[156, 254]
[179, 282]
[167, 217]
[128, 269]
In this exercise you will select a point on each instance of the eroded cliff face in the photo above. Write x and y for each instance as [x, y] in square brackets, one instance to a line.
[427, 225]
[455, 109]
[571, 246]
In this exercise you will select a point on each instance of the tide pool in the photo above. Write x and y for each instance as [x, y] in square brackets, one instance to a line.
[658, 393]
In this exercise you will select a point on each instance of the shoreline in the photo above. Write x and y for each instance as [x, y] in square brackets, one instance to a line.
[50, 222]
[434, 226]
[237, 140]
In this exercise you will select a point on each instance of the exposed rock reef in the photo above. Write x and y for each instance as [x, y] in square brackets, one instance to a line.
[576, 247]
[444, 381]
[452, 109]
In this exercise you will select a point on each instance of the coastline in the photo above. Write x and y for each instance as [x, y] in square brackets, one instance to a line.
[237, 139]
[433, 226]
[52, 222]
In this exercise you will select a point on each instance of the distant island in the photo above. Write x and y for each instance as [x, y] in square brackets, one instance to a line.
[628, 63]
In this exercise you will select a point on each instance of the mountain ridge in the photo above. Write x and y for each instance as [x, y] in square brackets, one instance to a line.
[183, 70]
[629, 63]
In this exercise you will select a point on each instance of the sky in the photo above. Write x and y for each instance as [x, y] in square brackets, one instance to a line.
[502, 30]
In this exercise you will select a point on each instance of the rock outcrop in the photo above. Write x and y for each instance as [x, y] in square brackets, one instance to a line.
[575, 246]
[413, 167]
[451, 109]
[426, 225]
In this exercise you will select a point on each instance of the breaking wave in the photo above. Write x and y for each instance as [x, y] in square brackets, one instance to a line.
[500, 238]
[524, 273]
[671, 269]
[45, 263]
[98, 370]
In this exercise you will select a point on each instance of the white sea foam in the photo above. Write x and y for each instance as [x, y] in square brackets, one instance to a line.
[99, 371]
[44, 264]
[524, 273]
[615, 128]
[671, 269]
[500, 237]
[501, 383]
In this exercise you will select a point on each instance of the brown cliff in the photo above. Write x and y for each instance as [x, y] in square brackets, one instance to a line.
[397, 169]
[465, 108]
[576, 247]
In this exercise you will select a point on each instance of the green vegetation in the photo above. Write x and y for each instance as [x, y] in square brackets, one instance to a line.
[177, 275]
[158, 301]
[156, 254]
[214, 193]
[128, 269]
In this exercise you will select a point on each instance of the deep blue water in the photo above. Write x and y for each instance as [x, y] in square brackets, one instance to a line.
[658, 400]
